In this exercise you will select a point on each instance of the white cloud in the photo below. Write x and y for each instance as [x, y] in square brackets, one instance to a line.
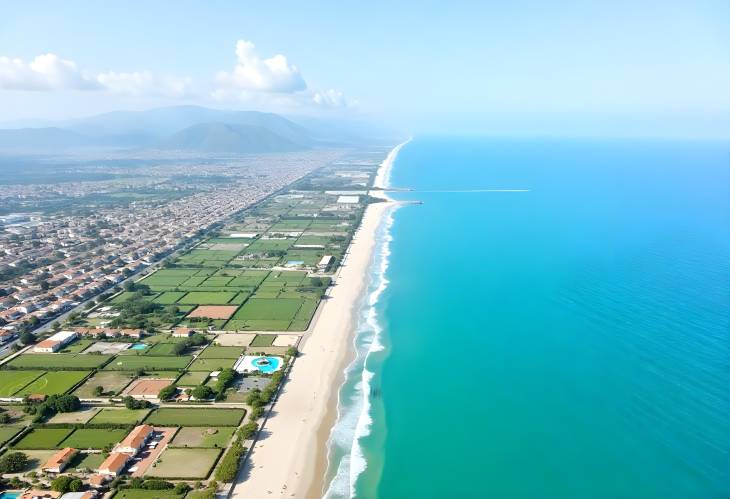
[141, 83]
[332, 99]
[274, 74]
[45, 72]
[49, 72]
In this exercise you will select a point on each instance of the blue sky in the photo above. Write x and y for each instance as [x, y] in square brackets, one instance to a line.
[619, 67]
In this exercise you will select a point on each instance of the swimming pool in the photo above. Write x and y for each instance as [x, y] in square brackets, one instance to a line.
[9, 495]
[136, 346]
[266, 364]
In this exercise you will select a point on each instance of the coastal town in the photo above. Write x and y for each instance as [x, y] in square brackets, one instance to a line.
[147, 343]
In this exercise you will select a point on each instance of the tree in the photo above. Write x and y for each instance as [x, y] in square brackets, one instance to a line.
[181, 488]
[202, 392]
[98, 391]
[167, 392]
[27, 338]
[62, 484]
[76, 485]
[13, 462]
[180, 347]
[67, 403]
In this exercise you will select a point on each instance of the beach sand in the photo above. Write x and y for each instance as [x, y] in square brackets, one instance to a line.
[290, 457]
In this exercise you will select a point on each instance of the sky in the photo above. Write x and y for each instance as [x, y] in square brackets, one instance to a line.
[643, 68]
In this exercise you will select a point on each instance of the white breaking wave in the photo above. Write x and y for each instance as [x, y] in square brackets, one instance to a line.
[382, 178]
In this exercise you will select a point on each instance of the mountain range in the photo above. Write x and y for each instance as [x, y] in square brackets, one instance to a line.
[188, 128]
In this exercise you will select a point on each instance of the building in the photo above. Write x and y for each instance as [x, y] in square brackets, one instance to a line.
[98, 481]
[136, 439]
[325, 262]
[182, 332]
[56, 342]
[58, 462]
[91, 494]
[114, 464]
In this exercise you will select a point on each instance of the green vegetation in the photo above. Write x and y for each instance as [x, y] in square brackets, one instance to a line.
[13, 462]
[195, 417]
[11, 382]
[191, 436]
[119, 416]
[59, 361]
[43, 438]
[228, 467]
[148, 362]
[54, 383]
[185, 463]
[92, 438]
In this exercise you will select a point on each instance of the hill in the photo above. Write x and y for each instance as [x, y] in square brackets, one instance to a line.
[42, 139]
[228, 138]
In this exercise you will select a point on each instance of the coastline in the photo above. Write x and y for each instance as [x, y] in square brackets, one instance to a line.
[290, 457]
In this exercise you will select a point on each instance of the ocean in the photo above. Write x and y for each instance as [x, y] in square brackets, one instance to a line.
[552, 322]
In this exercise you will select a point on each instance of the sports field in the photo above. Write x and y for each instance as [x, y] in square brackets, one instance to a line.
[184, 463]
[68, 361]
[145, 494]
[43, 438]
[195, 436]
[153, 363]
[54, 383]
[219, 352]
[208, 365]
[207, 298]
[92, 438]
[12, 382]
[195, 417]
[192, 378]
[119, 416]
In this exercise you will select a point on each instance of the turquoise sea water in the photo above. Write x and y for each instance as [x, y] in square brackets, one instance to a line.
[571, 341]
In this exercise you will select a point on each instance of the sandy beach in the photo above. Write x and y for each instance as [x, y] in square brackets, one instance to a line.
[290, 457]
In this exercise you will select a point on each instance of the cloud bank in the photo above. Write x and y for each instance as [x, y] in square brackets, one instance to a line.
[264, 82]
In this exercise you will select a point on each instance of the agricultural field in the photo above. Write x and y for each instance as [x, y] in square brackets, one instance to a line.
[219, 352]
[111, 382]
[11, 382]
[119, 416]
[54, 382]
[195, 417]
[69, 361]
[184, 463]
[92, 438]
[7, 432]
[208, 365]
[43, 438]
[192, 436]
[192, 378]
[147, 362]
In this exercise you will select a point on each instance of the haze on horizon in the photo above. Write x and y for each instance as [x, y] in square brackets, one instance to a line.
[653, 68]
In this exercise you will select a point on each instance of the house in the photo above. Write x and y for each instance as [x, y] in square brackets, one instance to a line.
[97, 481]
[114, 464]
[182, 332]
[136, 439]
[56, 342]
[39, 494]
[132, 333]
[58, 462]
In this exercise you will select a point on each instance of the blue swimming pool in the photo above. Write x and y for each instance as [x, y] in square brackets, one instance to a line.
[267, 364]
[9, 495]
[136, 346]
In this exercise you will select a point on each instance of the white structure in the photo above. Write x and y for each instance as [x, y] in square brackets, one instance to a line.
[325, 262]
[56, 342]
[247, 235]
[348, 199]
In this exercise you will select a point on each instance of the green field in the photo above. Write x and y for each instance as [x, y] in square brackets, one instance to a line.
[89, 438]
[54, 382]
[209, 365]
[195, 417]
[133, 362]
[184, 463]
[268, 309]
[12, 382]
[207, 297]
[263, 340]
[234, 325]
[192, 378]
[43, 438]
[86, 461]
[195, 436]
[218, 352]
[77, 346]
[169, 297]
[7, 432]
[119, 416]
[68, 361]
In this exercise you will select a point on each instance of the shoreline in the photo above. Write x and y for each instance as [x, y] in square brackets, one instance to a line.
[291, 454]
